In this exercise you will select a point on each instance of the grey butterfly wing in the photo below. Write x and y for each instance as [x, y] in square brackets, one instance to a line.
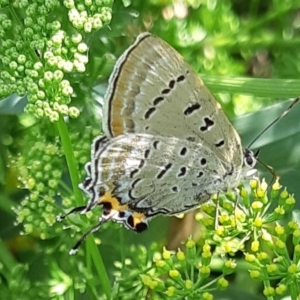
[148, 174]
[152, 90]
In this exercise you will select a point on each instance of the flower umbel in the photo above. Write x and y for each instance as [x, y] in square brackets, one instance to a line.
[258, 222]
[40, 57]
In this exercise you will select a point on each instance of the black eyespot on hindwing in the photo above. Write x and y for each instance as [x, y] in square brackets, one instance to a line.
[183, 151]
[155, 144]
[203, 161]
[182, 171]
[200, 174]
[146, 153]
[164, 171]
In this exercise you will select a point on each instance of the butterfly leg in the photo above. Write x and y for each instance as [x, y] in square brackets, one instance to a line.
[80, 209]
[237, 192]
[217, 213]
[85, 235]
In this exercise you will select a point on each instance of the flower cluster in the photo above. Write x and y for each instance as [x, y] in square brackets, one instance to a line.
[256, 224]
[88, 15]
[39, 54]
[181, 274]
[41, 173]
[188, 273]
[12, 289]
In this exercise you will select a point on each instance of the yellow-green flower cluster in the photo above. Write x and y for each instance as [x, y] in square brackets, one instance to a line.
[88, 15]
[256, 223]
[271, 260]
[41, 168]
[248, 215]
[180, 274]
[40, 173]
[41, 56]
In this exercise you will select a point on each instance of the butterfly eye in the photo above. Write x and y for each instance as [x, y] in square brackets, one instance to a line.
[250, 158]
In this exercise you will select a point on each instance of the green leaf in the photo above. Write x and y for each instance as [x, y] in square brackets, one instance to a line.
[13, 105]
[279, 146]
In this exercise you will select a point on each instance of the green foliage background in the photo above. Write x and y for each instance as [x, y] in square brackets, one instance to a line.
[247, 53]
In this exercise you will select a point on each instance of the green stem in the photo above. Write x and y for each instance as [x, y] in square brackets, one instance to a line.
[6, 205]
[73, 170]
[6, 258]
[99, 265]
[266, 282]
[70, 158]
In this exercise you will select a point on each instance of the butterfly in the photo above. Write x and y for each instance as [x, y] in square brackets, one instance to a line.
[167, 145]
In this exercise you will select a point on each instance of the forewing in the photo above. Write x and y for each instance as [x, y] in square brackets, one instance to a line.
[152, 90]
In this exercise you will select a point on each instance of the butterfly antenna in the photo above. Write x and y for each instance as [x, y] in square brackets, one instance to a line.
[271, 124]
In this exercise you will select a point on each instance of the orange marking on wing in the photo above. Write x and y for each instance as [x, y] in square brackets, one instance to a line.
[115, 204]
[138, 218]
[116, 123]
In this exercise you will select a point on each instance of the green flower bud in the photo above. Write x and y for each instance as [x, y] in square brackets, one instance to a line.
[28, 22]
[255, 274]
[76, 38]
[281, 289]
[73, 112]
[255, 246]
[272, 269]
[7, 25]
[269, 291]
[28, 33]
[13, 65]
[207, 296]
[188, 284]
[263, 257]
[229, 266]
[21, 59]
[88, 26]
[171, 291]
[97, 23]
[174, 274]
[223, 283]
[23, 3]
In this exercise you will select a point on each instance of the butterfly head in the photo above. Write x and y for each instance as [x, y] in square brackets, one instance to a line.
[250, 160]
